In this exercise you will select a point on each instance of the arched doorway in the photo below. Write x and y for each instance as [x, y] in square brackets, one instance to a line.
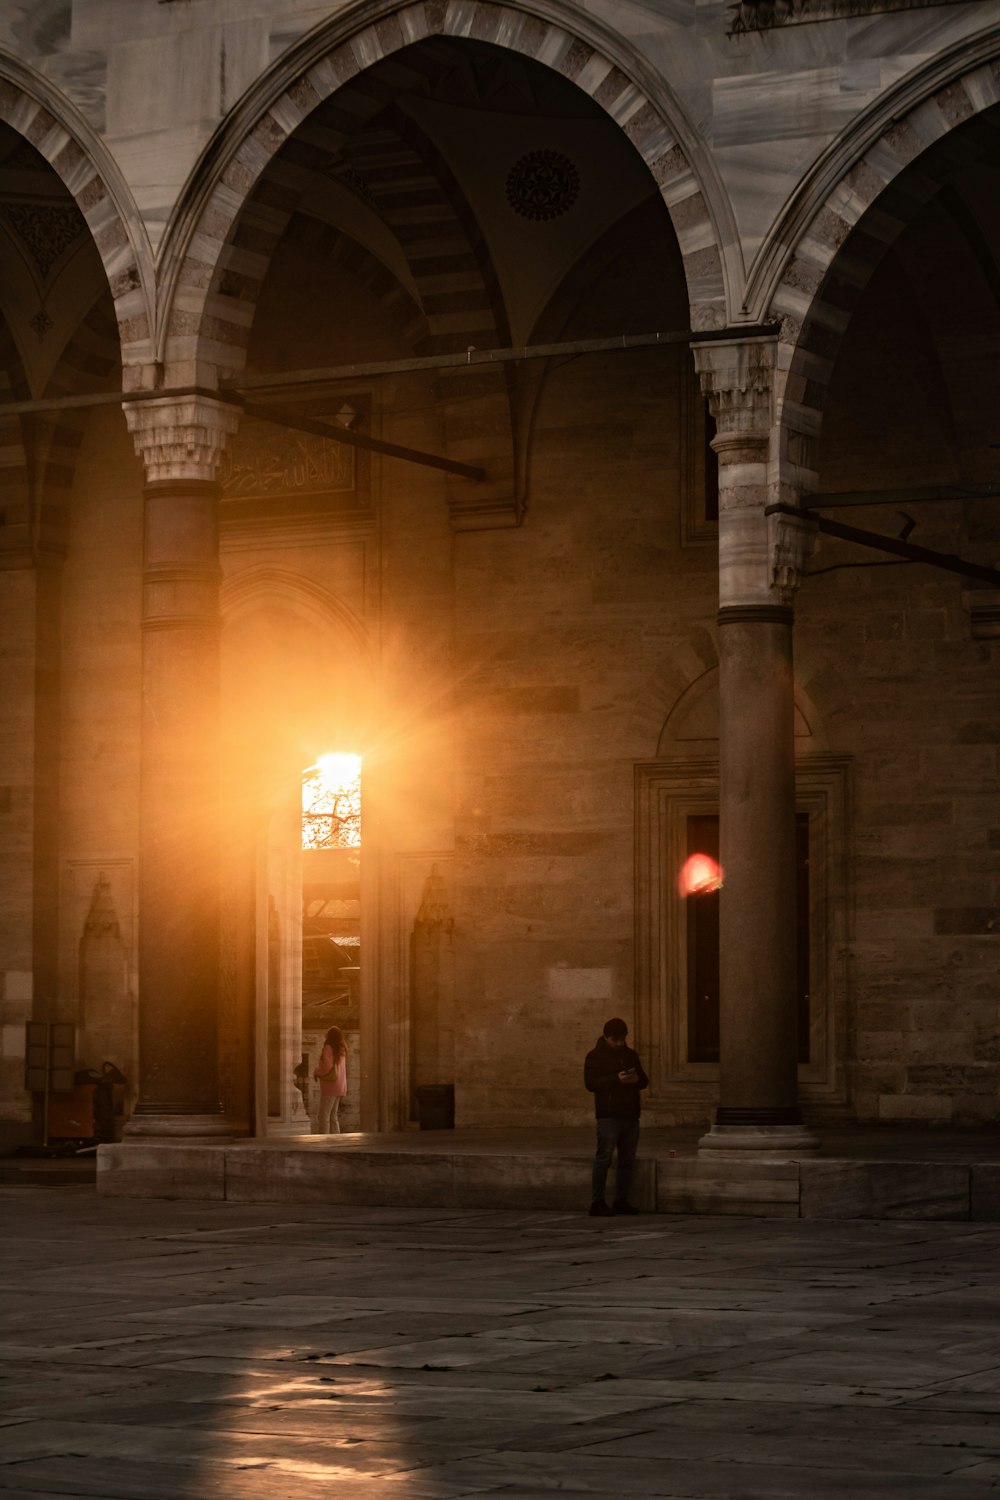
[68, 931]
[294, 681]
[458, 197]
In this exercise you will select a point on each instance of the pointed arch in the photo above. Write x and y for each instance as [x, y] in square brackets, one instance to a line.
[255, 587]
[48, 121]
[892, 162]
[551, 32]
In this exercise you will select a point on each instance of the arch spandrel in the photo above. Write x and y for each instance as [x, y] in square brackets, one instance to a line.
[201, 336]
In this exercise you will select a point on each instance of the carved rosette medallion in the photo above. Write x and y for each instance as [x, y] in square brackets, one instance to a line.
[542, 185]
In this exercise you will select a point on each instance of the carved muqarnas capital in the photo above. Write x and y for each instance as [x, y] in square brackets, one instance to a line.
[791, 540]
[181, 437]
[737, 376]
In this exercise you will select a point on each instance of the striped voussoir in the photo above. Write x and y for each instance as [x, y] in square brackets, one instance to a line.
[67, 157]
[235, 235]
[831, 264]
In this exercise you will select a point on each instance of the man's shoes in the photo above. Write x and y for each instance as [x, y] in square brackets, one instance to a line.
[622, 1206]
[599, 1209]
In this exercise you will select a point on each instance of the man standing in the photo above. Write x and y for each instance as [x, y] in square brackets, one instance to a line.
[614, 1075]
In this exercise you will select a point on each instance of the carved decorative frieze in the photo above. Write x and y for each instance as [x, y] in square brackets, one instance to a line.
[278, 480]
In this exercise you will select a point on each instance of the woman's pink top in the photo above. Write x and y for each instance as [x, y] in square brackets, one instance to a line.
[336, 1084]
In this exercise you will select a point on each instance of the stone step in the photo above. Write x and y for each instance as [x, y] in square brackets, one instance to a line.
[505, 1171]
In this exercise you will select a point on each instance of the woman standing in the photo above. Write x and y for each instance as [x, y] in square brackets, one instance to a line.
[331, 1070]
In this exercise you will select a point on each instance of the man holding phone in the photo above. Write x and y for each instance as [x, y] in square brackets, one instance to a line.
[614, 1075]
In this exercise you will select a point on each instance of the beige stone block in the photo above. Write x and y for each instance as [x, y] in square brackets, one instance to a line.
[880, 1044]
[336, 1172]
[581, 984]
[764, 1189]
[12, 1042]
[17, 985]
[139, 1169]
[541, 1182]
[884, 1190]
[939, 1047]
[914, 1107]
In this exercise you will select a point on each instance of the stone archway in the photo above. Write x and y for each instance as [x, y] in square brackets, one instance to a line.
[831, 261]
[39, 113]
[207, 315]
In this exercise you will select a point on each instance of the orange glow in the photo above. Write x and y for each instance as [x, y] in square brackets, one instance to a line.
[699, 874]
[339, 770]
[331, 802]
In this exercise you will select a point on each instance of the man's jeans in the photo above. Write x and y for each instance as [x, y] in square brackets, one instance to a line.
[611, 1132]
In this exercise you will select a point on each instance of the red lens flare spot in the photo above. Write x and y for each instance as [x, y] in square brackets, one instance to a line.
[699, 873]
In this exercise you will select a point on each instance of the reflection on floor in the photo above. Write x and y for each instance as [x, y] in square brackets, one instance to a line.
[233, 1352]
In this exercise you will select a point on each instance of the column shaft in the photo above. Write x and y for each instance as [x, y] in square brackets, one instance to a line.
[757, 908]
[758, 1085]
[181, 441]
[179, 872]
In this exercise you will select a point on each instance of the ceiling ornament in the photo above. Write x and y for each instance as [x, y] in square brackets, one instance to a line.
[542, 185]
[46, 230]
[41, 323]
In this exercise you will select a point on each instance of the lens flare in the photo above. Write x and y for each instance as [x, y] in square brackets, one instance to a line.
[700, 873]
[339, 769]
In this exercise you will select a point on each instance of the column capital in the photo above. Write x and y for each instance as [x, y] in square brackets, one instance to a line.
[181, 437]
[737, 376]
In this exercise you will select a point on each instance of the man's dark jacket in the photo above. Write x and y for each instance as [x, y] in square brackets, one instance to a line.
[612, 1098]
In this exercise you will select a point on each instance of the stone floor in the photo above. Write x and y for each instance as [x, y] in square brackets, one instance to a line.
[224, 1351]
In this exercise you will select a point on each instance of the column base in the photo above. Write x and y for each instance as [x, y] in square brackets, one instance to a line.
[176, 1126]
[758, 1143]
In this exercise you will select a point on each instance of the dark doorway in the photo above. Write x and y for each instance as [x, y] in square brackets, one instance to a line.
[703, 943]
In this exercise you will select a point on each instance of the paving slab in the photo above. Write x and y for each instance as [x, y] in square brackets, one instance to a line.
[245, 1351]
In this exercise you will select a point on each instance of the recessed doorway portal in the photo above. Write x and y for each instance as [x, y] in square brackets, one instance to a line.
[331, 923]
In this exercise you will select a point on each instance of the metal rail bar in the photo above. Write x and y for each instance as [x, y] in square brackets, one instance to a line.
[359, 440]
[473, 357]
[899, 548]
[914, 496]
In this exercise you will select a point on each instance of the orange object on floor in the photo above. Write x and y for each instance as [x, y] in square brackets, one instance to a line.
[72, 1114]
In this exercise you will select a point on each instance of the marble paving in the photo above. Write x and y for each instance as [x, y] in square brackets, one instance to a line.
[163, 1350]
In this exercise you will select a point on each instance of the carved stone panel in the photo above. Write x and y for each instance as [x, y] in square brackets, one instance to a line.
[281, 483]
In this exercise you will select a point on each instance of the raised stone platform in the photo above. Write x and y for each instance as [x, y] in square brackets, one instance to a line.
[886, 1173]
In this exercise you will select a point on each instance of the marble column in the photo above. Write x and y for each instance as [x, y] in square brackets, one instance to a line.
[759, 560]
[180, 441]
